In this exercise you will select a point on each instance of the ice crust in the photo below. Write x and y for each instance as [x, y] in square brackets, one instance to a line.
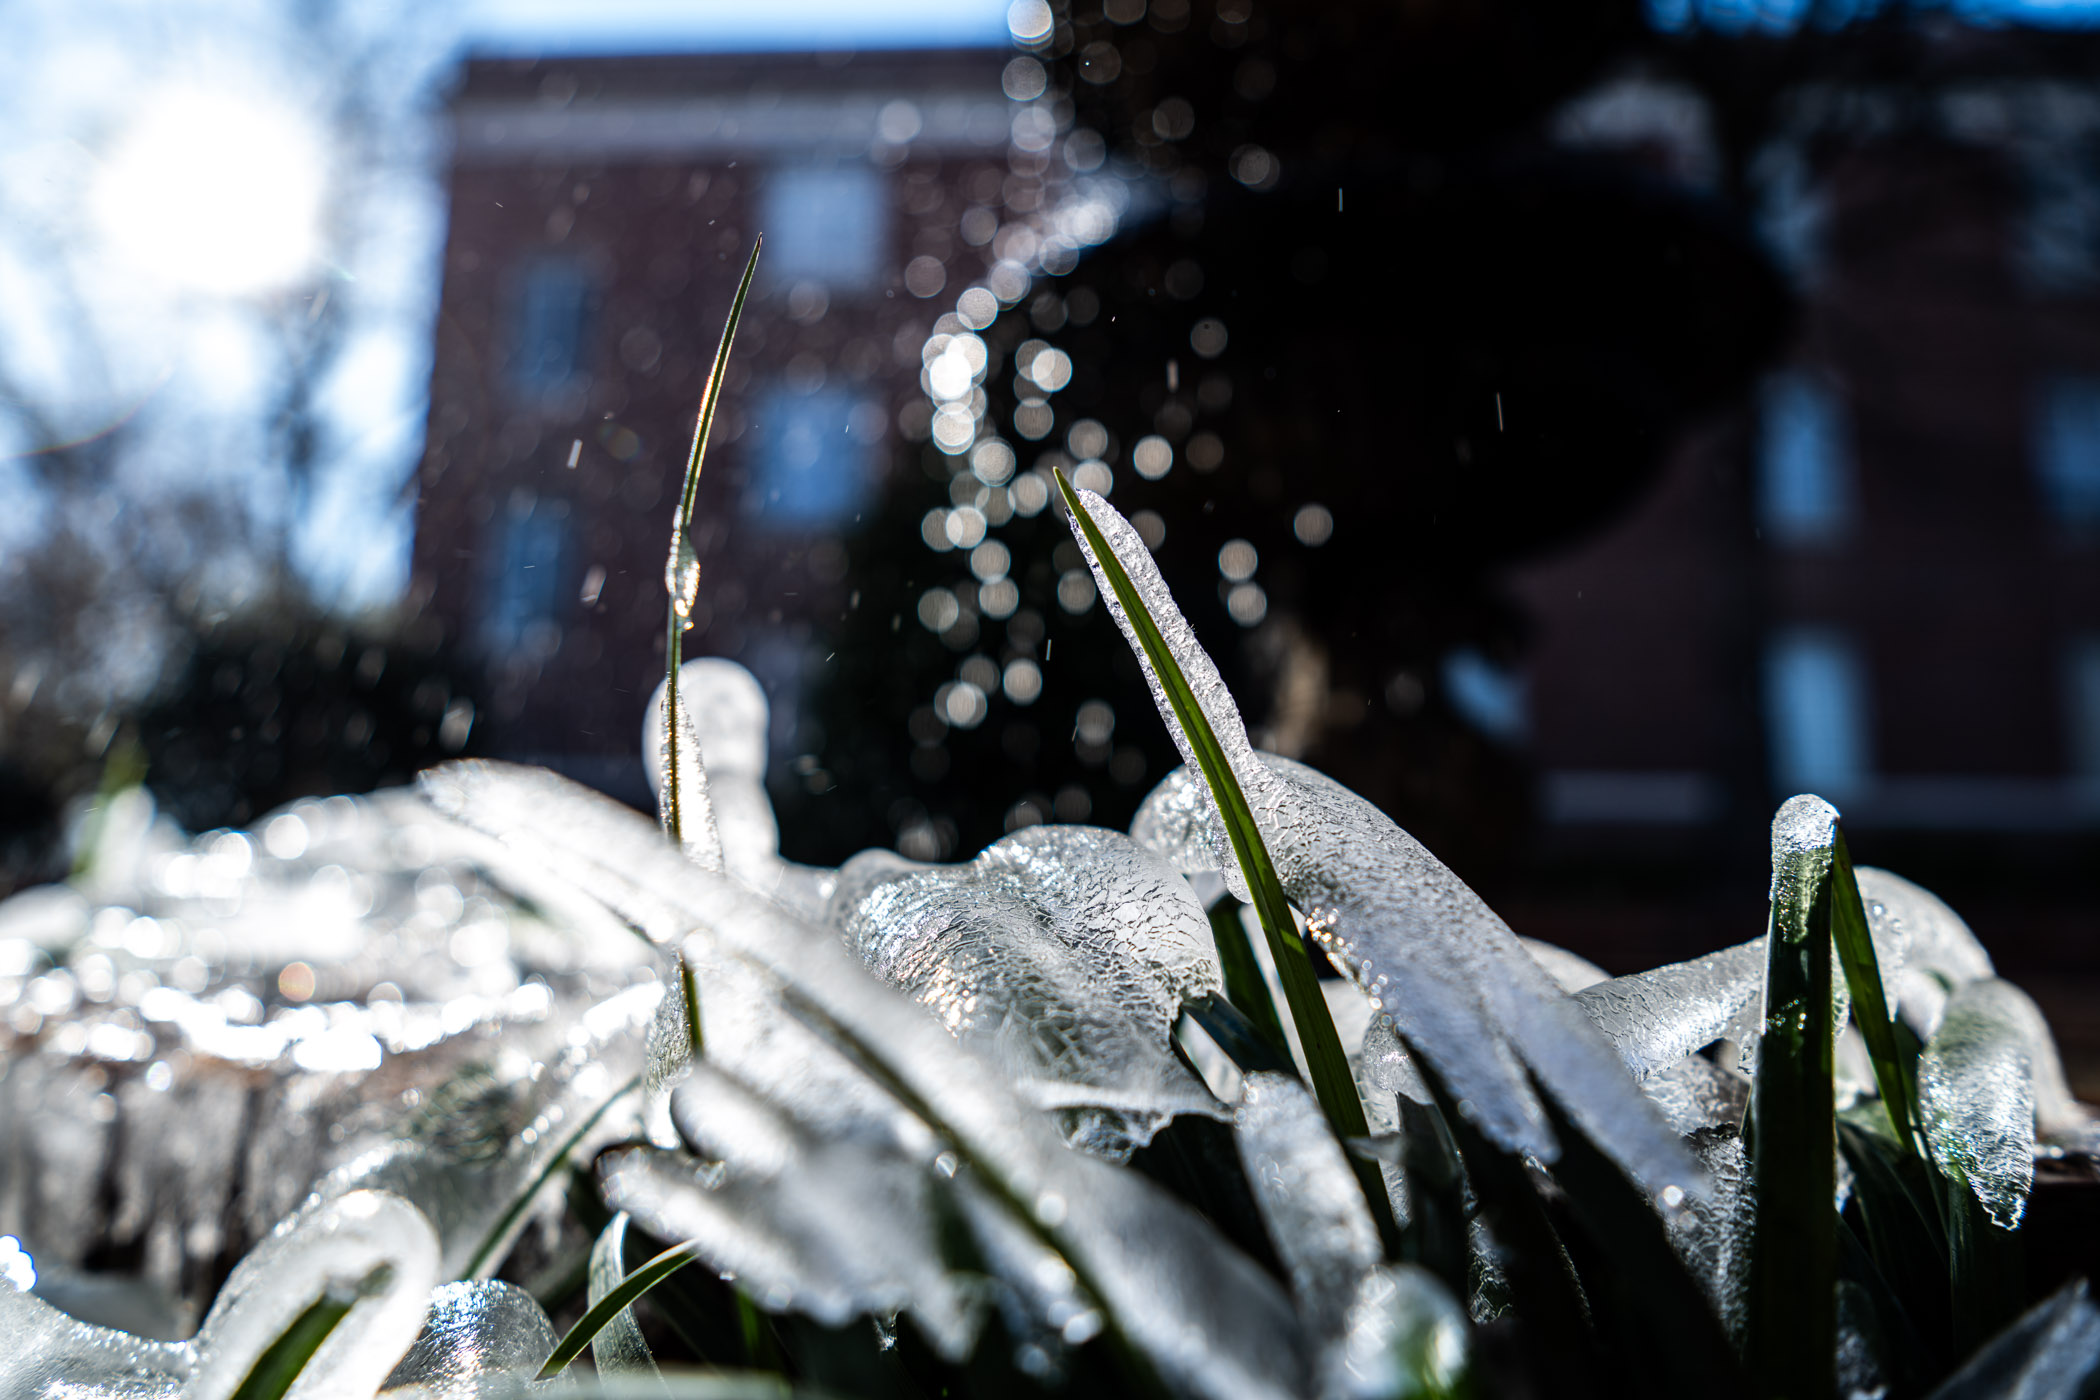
[367, 1246]
[1934, 950]
[1656, 1018]
[726, 709]
[1064, 954]
[1309, 1199]
[478, 1335]
[1207, 1317]
[1431, 956]
[1976, 1094]
[152, 1045]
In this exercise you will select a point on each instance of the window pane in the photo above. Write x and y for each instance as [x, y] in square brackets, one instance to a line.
[2068, 450]
[1804, 477]
[814, 467]
[550, 322]
[525, 587]
[825, 224]
[1815, 712]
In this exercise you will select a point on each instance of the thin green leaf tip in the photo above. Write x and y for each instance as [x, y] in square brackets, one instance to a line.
[1332, 1082]
[682, 567]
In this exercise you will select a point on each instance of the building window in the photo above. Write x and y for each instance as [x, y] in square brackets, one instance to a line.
[2082, 706]
[1490, 697]
[1804, 484]
[550, 327]
[813, 458]
[2059, 239]
[827, 224]
[527, 567]
[1792, 211]
[1816, 712]
[2068, 450]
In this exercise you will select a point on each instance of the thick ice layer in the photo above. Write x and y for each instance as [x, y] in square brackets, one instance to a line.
[368, 1249]
[1423, 945]
[210, 1046]
[1694, 1093]
[1658, 1017]
[833, 1228]
[1976, 1094]
[1713, 1234]
[1937, 952]
[1310, 1201]
[1064, 954]
[729, 715]
[476, 1333]
[1206, 1316]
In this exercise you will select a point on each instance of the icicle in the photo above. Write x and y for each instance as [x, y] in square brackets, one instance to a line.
[480, 1335]
[1976, 1095]
[1932, 951]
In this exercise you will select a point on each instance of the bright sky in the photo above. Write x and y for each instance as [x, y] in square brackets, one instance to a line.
[608, 26]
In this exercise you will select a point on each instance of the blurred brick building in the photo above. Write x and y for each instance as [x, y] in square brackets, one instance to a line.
[1880, 580]
[601, 210]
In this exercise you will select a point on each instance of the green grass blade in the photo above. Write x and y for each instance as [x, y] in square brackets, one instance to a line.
[1893, 1071]
[1331, 1081]
[682, 568]
[616, 1301]
[1245, 987]
[1792, 1127]
[619, 1346]
[523, 1201]
[282, 1360]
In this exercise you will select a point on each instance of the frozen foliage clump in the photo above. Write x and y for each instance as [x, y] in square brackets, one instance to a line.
[1423, 946]
[1066, 954]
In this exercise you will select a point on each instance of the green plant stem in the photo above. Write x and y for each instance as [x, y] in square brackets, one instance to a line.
[523, 1201]
[1332, 1083]
[682, 571]
[1893, 1071]
[609, 1307]
[1793, 1138]
[1247, 989]
[282, 1360]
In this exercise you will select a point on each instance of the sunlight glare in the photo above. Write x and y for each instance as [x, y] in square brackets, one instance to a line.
[214, 191]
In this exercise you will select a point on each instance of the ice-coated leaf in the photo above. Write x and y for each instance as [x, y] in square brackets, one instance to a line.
[692, 803]
[1454, 980]
[44, 1353]
[1713, 1235]
[1424, 947]
[1064, 954]
[1203, 1314]
[1658, 1017]
[728, 715]
[2051, 1353]
[1922, 944]
[477, 1332]
[1309, 1199]
[619, 1346]
[832, 1227]
[1976, 1094]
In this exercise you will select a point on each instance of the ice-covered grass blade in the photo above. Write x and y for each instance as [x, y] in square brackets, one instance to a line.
[1332, 1082]
[485, 1253]
[619, 1346]
[1792, 1126]
[1870, 1009]
[682, 569]
[615, 1301]
[282, 1360]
